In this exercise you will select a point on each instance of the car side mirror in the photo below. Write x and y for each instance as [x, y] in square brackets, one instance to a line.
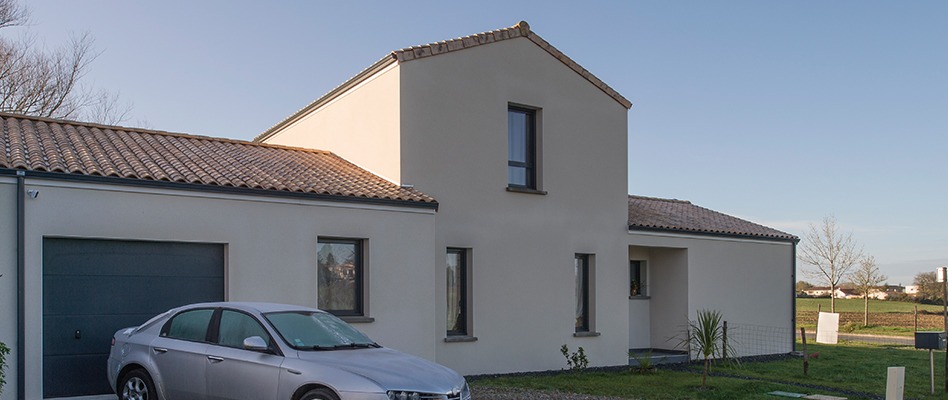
[255, 343]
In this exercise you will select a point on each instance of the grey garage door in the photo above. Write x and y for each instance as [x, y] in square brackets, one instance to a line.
[91, 288]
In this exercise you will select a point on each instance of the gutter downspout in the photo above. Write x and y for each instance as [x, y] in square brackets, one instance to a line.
[20, 285]
[793, 302]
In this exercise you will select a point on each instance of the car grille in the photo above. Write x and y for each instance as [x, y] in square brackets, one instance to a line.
[436, 396]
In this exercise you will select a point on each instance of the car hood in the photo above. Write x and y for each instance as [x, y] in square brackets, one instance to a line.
[391, 369]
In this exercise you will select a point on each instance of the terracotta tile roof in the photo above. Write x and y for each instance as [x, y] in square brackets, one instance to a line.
[522, 29]
[67, 147]
[650, 213]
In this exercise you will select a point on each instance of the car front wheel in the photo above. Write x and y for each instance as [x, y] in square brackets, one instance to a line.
[320, 394]
[137, 385]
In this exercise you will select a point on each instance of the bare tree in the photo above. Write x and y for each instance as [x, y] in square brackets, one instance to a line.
[830, 254]
[929, 290]
[866, 279]
[46, 83]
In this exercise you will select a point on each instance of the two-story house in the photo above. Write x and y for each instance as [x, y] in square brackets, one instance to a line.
[465, 201]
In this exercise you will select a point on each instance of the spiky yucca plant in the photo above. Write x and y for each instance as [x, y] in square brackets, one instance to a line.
[706, 337]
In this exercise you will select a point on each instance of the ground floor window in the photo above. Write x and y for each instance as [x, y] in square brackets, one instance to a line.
[340, 274]
[457, 272]
[638, 285]
[581, 269]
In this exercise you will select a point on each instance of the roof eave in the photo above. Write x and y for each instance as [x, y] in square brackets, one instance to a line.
[194, 187]
[791, 239]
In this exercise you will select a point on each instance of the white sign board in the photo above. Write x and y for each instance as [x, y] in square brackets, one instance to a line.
[827, 328]
[940, 274]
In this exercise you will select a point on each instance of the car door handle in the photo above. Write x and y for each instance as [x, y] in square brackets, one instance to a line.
[160, 350]
[215, 359]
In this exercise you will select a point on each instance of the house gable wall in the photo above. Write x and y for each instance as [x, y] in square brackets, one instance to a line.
[454, 147]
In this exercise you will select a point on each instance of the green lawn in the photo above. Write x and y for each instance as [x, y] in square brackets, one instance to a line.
[852, 371]
[856, 305]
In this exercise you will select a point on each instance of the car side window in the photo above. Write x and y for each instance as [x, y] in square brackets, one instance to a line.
[236, 326]
[189, 325]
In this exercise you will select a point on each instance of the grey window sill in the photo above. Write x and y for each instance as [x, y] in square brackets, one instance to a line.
[357, 319]
[516, 189]
[460, 339]
[587, 334]
[639, 297]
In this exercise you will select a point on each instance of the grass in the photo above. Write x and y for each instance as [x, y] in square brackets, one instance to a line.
[840, 370]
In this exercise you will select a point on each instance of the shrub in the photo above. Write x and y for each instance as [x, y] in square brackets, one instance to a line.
[4, 351]
[577, 360]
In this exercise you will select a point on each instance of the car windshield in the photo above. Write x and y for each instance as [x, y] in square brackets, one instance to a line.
[307, 330]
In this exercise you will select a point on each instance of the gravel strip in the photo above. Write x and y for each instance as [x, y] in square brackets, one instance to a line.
[491, 393]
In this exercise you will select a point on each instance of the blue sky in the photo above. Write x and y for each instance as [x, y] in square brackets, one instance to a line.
[777, 112]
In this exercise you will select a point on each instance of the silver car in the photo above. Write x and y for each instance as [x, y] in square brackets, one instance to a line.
[259, 351]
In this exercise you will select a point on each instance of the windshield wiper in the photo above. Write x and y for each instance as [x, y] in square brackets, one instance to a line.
[342, 346]
[356, 346]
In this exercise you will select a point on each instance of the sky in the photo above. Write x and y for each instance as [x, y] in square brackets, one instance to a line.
[779, 112]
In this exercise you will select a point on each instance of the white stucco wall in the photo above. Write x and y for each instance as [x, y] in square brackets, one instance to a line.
[8, 281]
[454, 147]
[270, 252]
[360, 125]
[749, 281]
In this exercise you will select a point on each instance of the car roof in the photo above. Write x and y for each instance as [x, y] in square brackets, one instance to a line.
[259, 307]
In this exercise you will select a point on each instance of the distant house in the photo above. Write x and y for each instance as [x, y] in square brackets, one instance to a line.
[824, 291]
[465, 201]
[911, 289]
[880, 293]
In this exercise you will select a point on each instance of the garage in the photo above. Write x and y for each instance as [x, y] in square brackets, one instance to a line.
[93, 287]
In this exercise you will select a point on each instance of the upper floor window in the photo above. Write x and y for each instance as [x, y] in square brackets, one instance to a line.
[340, 274]
[521, 147]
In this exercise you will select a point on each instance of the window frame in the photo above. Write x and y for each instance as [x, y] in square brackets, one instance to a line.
[463, 292]
[531, 146]
[359, 297]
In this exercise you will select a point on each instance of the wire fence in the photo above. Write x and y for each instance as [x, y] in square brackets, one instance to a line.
[756, 340]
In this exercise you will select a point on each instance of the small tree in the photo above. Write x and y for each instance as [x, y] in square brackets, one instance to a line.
[830, 253]
[865, 279]
[705, 336]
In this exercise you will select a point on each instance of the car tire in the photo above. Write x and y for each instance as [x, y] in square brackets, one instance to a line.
[320, 394]
[136, 385]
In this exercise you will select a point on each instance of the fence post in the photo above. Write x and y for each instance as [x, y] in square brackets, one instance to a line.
[806, 356]
[724, 342]
[916, 318]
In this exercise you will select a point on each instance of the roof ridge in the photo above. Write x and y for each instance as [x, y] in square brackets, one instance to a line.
[521, 29]
[146, 131]
[634, 196]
